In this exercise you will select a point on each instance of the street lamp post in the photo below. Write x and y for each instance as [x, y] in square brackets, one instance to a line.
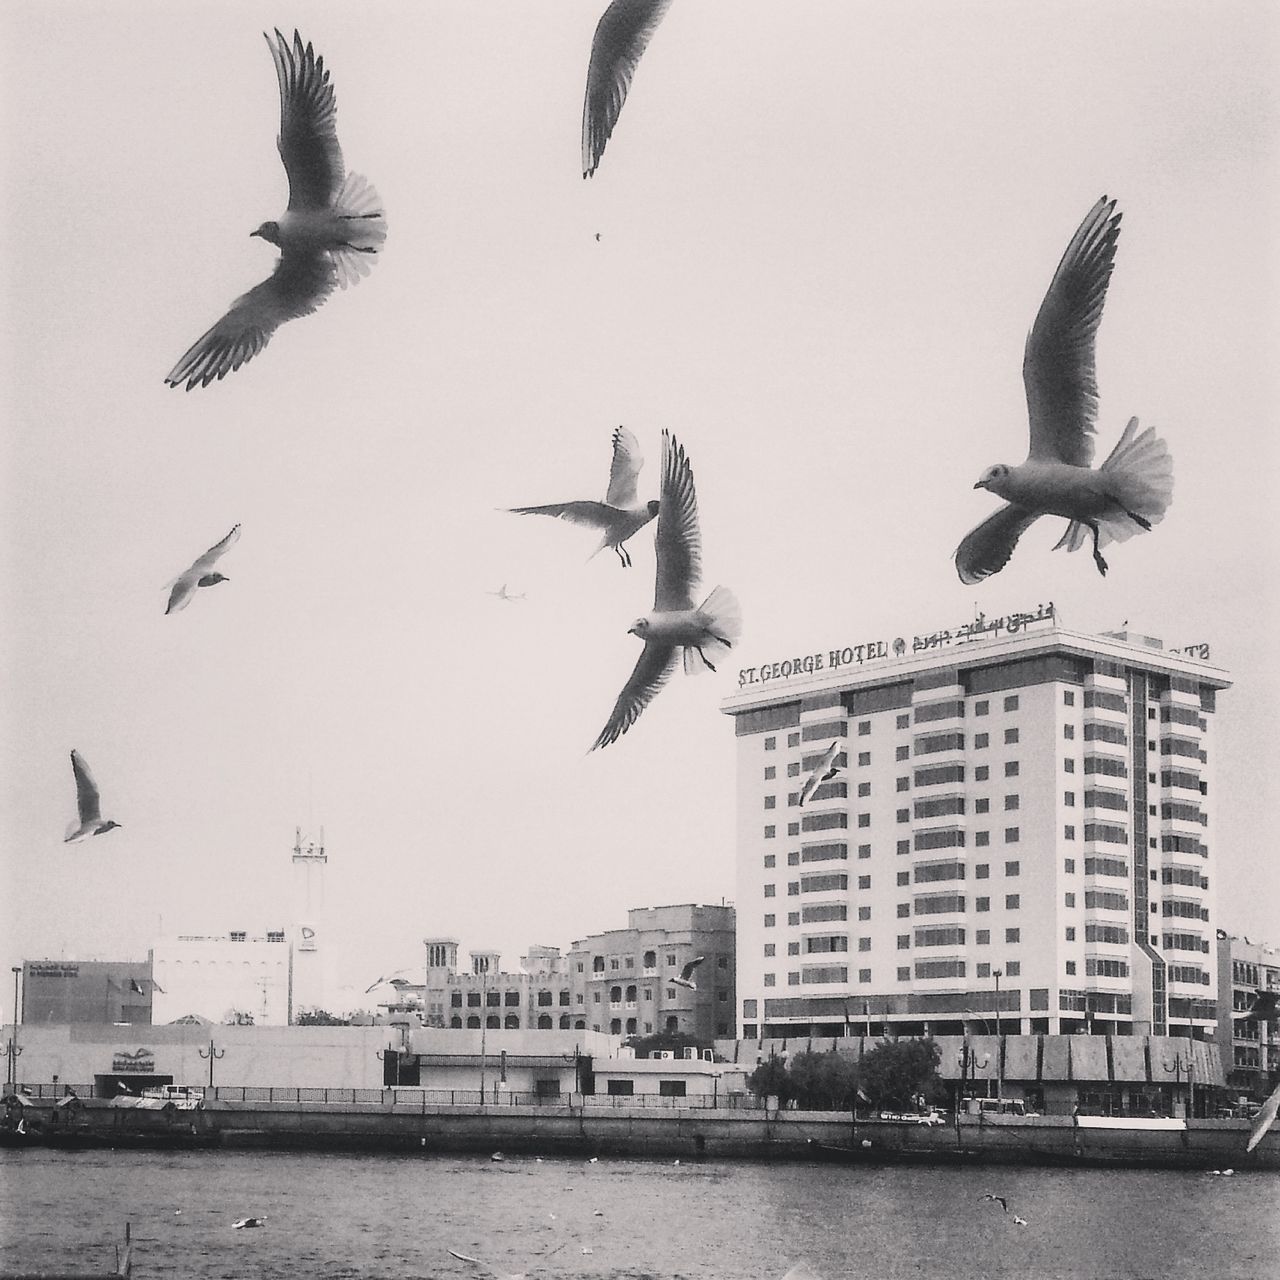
[12, 1046]
[999, 1042]
[1178, 1067]
[213, 1055]
[484, 1025]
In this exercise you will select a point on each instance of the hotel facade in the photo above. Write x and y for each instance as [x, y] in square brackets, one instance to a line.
[1017, 842]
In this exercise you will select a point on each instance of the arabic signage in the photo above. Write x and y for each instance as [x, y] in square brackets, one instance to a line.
[141, 1062]
[50, 970]
[875, 650]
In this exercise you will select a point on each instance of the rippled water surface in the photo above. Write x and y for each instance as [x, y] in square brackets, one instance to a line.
[377, 1215]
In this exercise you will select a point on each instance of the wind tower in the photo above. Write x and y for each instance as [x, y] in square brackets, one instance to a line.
[309, 962]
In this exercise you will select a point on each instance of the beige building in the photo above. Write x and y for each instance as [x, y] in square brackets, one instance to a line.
[1020, 831]
[621, 981]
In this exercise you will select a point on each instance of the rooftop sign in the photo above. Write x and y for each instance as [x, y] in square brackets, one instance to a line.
[876, 650]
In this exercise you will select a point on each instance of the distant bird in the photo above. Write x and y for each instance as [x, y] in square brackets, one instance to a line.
[1264, 1007]
[1133, 487]
[329, 234]
[686, 974]
[503, 594]
[1000, 1200]
[1264, 1119]
[248, 1222]
[593, 1160]
[621, 37]
[824, 771]
[200, 574]
[88, 803]
[676, 625]
[497, 1155]
[618, 516]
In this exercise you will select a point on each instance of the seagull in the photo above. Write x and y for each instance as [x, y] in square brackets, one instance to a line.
[330, 232]
[1264, 1007]
[1264, 1119]
[89, 804]
[622, 34]
[200, 574]
[248, 1222]
[503, 594]
[825, 770]
[1019, 1222]
[1133, 487]
[675, 625]
[686, 974]
[1000, 1200]
[618, 516]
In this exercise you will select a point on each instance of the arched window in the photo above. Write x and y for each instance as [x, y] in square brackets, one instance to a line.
[650, 959]
[580, 1025]
[564, 1022]
[544, 1022]
[455, 1021]
[473, 1023]
[493, 1021]
[512, 1022]
[631, 995]
[615, 995]
[673, 1023]
[615, 1027]
[631, 1026]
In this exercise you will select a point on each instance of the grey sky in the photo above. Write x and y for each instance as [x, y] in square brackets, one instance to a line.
[825, 229]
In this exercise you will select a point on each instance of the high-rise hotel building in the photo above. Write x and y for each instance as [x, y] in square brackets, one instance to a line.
[1021, 824]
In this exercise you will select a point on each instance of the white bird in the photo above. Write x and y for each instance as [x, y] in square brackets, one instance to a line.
[1019, 1222]
[686, 974]
[248, 1222]
[1264, 1119]
[200, 574]
[503, 594]
[619, 515]
[622, 35]
[89, 804]
[676, 625]
[329, 234]
[824, 771]
[1133, 487]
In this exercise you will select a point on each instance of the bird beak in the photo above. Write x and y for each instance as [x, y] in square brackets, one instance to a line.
[255, 233]
[979, 485]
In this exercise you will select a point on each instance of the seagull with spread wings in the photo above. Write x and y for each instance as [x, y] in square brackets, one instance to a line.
[89, 804]
[619, 515]
[200, 574]
[622, 35]
[686, 974]
[824, 771]
[1264, 1119]
[1133, 488]
[676, 626]
[1263, 1007]
[329, 234]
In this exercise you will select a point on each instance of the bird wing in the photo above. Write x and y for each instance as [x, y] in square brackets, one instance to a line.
[308, 140]
[1057, 364]
[299, 284]
[679, 543]
[596, 515]
[184, 587]
[622, 34]
[210, 557]
[1263, 1006]
[820, 771]
[986, 549]
[652, 670]
[1265, 1119]
[687, 972]
[624, 470]
[87, 799]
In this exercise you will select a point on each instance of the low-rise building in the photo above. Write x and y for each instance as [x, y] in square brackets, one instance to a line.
[103, 991]
[1250, 1047]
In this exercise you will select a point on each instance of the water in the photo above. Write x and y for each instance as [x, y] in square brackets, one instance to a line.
[392, 1216]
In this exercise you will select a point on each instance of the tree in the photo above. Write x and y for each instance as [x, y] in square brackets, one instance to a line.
[319, 1018]
[894, 1072]
[771, 1079]
[824, 1081]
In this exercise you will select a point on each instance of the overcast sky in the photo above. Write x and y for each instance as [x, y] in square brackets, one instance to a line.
[824, 230]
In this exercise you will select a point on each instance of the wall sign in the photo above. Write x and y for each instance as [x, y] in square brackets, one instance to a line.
[141, 1062]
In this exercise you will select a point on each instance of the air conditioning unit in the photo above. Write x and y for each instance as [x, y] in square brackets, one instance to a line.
[708, 1055]
[690, 1052]
[665, 1053]
[626, 1052]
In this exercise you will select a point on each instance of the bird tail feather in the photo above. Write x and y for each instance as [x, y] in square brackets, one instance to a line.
[359, 208]
[723, 621]
[1139, 475]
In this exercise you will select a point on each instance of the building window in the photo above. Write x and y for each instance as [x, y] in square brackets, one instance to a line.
[770, 773]
[793, 740]
[771, 802]
[769, 922]
[1010, 737]
[864, 819]
[671, 1088]
[904, 942]
[1012, 868]
[1069, 866]
[1010, 768]
[981, 740]
[864, 882]
[1069, 900]
[1013, 968]
[904, 877]
[982, 805]
[1071, 966]
[1068, 698]
[793, 888]
[1011, 835]
[793, 828]
[770, 744]
[1011, 802]
[864, 851]
[793, 858]
[904, 815]
[904, 910]
[864, 789]
[904, 722]
[1069, 799]
[981, 773]
[770, 949]
[864, 757]
[904, 784]
[902, 753]
[793, 948]
[793, 917]
[864, 944]
[770, 979]
[982, 937]
[1068, 731]
[1011, 702]
[620, 1088]
[1013, 935]
[981, 838]
[769, 833]
[1068, 765]
[982, 904]
[1068, 832]
[864, 975]
[770, 890]
[982, 871]
[864, 913]
[904, 974]
[981, 708]
[864, 728]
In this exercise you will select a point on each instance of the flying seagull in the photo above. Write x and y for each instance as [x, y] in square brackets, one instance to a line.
[824, 771]
[503, 594]
[200, 574]
[328, 235]
[1000, 1200]
[1133, 487]
[676, 625]
[88, 802]
[1264, 1007]
[248, 1222]
[621, 37]
[618, 516]
[686, 974]
[1264, 1119]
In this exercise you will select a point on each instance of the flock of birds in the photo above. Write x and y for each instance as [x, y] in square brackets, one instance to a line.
[334, 227]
